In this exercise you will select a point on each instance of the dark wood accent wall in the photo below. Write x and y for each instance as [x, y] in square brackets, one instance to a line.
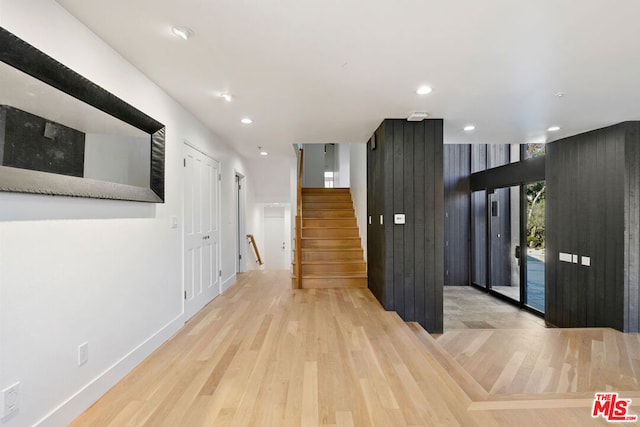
[376, 260]
[479, 238]
[487, 156]
[593, 209]
[405, 175]
[457, 214]
[632, 225]
[529, 170]
[483, 157]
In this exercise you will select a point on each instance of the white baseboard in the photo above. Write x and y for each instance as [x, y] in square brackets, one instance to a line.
[89, 394]
[228, 282]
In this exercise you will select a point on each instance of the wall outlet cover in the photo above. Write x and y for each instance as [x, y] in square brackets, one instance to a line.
[10, 400]
[83, 353]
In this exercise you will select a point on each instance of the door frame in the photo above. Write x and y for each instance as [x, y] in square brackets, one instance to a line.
[522, 240]
[240, 228]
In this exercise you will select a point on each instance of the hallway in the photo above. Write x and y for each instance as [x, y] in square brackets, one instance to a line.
[263, 354]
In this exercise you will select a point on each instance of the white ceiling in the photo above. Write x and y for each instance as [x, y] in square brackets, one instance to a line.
[330, 71]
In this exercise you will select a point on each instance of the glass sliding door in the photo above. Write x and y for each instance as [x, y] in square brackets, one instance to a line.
[503, 212]
[535, 244]
[479, 238]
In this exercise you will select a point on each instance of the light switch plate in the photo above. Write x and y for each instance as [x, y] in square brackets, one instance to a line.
[398, 219]
[565, 257]
[586, 261]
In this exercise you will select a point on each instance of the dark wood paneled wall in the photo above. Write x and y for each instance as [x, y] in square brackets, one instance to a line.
[457, 214]
[632, 225]
[408, 162]
[479, 238]
[375, 209]
[592, 210]
[483, 157]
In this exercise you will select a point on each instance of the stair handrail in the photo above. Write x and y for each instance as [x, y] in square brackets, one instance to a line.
[298, 264]
[255, 248]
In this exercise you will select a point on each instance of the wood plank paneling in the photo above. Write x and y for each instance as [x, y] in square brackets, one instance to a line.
[397, 201]
[409, 158]
[438, 225]
[457, 225]
[592, 211]
[375, 208]
[632, 221]
[420, 215]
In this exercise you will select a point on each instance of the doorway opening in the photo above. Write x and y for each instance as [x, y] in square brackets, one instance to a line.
[274, 238]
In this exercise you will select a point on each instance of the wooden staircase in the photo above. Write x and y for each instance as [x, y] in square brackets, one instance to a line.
[332, 254]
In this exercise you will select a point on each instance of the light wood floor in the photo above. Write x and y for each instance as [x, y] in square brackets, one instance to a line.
[263, 354]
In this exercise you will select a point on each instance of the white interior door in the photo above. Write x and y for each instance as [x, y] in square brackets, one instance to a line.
[274, 236]
[201, 230]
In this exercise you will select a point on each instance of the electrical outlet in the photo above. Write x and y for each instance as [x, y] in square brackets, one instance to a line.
[83, 353]
[11, 400]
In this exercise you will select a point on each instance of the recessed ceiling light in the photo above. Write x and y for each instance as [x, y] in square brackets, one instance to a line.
[262, 151]
[553, 128]
[246, 121]
[182, 32]
[227, 97]
[560, 94]
[469, 128]
[424, 90]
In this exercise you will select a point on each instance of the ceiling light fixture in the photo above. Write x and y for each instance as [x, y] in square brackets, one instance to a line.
[182, 32]
[246, 121]
[424, 90]
[553, 128]
[560, 94]
[225, 96]
[262, 152]
[469, 128]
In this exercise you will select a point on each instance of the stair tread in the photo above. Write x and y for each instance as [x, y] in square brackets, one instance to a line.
[329, 249]
[325, 190]
[346, 261]
[339, 275]
[329, 219]
[325, 209]
[330, 238]
[349, 227]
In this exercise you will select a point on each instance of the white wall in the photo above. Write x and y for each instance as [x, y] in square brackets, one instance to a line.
[344, 160]
[358, 180]
[105, 272]
[313, 170]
